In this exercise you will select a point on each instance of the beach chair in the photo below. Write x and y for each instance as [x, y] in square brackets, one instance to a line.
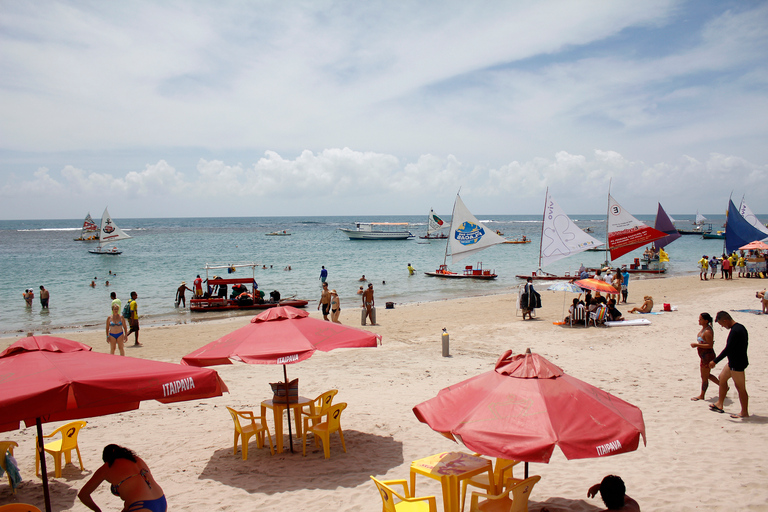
[19, 507]
[321, 405]
[260, 431]
[579, 316]
[502, 473]
[65, 445]
[324, 429]
[599, 316]
[7, 447]
[520, 491]
[406, 503]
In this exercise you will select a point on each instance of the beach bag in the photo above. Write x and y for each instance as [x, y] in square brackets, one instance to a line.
[127, 310]
[667, 307]
[279, 394]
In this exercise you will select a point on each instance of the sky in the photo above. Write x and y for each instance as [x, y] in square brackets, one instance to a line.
[274, 108]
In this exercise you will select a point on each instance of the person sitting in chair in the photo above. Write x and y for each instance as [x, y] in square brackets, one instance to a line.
[613, 313]
[646, 307]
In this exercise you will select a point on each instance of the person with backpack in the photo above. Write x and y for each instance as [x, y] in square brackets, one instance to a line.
[131, 314]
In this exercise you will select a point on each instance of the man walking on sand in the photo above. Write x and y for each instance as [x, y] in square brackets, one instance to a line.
[736, 352]
[133, 321]
[368, 303]
[325, 301]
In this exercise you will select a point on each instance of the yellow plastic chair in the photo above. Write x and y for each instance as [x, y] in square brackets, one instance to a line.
[250, 430]
[324, 429]
[406, 503]
[65, 445]
[520, 492]
[7, 446]
[19, 507]
[502, 473]
[321, 404]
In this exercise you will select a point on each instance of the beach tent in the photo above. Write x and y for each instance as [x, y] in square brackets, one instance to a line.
[46, 378]
[280, 335]
[526, 406]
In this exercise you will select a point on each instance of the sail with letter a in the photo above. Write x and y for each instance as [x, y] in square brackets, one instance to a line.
[625, 232]
[110, 232]
[560, 236]
[751, 217]
[468, 236]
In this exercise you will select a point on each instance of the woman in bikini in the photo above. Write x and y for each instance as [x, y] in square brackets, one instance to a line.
[647, 306]
[130, 480]
[705, 342]
[116, 333]
[335, 307]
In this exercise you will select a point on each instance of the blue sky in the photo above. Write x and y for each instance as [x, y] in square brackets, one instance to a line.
[161, 109]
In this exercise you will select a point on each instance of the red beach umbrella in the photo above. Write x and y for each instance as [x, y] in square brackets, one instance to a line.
[595, 285]
[45, 378]
[280, 335]
[757, 244]
[526, 406]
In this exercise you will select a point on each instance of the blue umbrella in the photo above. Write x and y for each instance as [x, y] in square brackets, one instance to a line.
[565, 287]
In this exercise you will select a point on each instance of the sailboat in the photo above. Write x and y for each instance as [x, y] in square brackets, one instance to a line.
[739, 231]
[700, 226]
[108, 234]
[626, 233]
[560, 238]
[468, 236]
[434, 226]
[751, 217]
[665, 224]
[90, 231]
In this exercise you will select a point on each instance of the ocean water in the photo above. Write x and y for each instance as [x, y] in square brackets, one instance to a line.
[164, 252]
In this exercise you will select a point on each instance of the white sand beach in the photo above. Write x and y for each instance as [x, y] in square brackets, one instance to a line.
[695, 459]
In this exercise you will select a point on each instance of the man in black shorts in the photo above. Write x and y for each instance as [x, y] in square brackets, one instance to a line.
[736, 352]
[325, 301]
[133, 321]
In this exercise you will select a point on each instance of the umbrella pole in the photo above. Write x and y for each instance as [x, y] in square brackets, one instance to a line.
[288, 407]
[41, 452]
[526, 471]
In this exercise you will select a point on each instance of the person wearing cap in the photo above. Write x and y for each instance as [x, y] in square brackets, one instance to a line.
[29, 296]
[335, 307]
[180, 298]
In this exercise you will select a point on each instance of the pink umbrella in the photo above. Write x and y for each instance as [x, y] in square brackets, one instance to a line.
[526, 406]
[280, 335]
[595, 285]
[757, 244]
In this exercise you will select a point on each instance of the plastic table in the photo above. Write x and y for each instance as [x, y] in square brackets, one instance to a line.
[450, 468]
[278, 410]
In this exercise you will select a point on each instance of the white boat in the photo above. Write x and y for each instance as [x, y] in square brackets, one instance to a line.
[700, 219]
[109, 233]
[435, 225]
[90, 231]
[625, 233]
[378, 231]
[467, 236]
[560, 238]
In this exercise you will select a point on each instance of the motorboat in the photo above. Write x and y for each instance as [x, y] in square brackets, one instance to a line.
[378, 231]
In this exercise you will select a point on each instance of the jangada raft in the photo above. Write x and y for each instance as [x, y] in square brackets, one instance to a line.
[467, 236]
[220, 296]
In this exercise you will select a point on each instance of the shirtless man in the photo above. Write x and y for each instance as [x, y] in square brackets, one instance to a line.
[368, 303]
[613, 493]
[325, 302]
[44, 296]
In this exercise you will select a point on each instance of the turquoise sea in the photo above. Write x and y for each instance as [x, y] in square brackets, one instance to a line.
[164, 252]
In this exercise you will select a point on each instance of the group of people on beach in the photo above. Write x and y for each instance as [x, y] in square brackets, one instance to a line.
[29, 297]
[330, 303]
[747, 265]
[121, 324]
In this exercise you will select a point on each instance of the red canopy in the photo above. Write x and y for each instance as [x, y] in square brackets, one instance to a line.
[56, 379]
[757, 244]
[280, 335]
[526, 406]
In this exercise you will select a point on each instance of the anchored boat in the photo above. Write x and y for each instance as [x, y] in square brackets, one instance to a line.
[109, 233]
[378, 231]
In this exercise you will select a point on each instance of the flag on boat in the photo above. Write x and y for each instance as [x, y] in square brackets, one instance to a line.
[434, 224]
[468, 235]
[625, 232]
[666, 224]
[560, 236]
[751, 217]
[739, 231]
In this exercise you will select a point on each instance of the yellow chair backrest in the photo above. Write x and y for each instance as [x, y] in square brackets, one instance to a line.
[387, 496]
[407, 503]
[236, 419]
[6, 446]
[521, 492]
[324, 401]
[68, 434]
[19, 507]
[503, 470]
[334, 416]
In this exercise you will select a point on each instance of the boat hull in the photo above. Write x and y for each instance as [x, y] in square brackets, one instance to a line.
[434, 237]
[106, 253]
[453, 275]
[547, 277]
[516, 242]
[215, 304]
[711, 236]
[376, 235]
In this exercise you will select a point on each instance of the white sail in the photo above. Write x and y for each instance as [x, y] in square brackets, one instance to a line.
[434, 223]
[751, 218]
[699, 218]
[109, 231]
[468, 236]
[560, 237]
